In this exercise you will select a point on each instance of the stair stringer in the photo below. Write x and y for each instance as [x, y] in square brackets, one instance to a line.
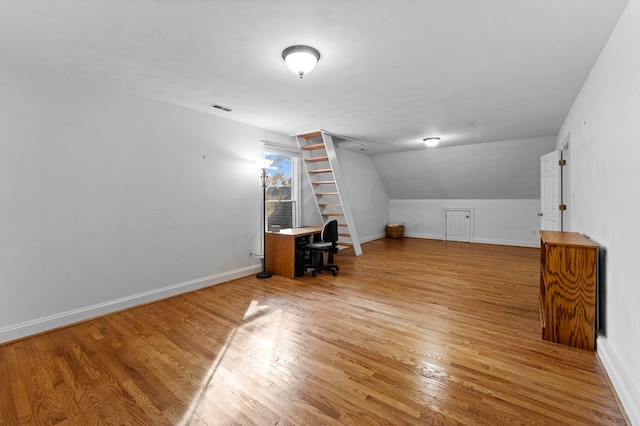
[344, 200]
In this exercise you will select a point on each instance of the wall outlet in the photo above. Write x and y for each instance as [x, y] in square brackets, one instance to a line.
[250, 251]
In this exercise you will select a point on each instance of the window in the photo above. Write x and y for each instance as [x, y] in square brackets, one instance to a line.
[282, 190]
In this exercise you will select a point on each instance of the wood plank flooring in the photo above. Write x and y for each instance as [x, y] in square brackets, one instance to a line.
[413, 332]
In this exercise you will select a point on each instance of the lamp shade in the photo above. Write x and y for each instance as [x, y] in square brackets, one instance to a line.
[264, 163]
[300, 59]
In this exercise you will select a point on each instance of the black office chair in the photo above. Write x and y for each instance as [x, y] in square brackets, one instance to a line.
[328, 244]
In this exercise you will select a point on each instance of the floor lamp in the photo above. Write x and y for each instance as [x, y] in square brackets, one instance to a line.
[264, 165]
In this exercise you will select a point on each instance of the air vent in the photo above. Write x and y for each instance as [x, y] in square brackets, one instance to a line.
[221, 107]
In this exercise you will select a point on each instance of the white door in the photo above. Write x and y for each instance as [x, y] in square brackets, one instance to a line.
[457, 225]
[566, 189]
[550, 192]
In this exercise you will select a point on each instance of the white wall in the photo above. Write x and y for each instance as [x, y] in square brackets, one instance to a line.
[507, 222]
[108, 200]
[367, 197]
[310, 213]
[604, 130]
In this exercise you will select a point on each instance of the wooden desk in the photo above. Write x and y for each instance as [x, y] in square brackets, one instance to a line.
[281, 249]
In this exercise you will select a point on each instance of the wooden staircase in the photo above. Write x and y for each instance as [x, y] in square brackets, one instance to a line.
[321, 164]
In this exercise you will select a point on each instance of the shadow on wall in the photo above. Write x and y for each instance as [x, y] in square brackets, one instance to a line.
[601, 291]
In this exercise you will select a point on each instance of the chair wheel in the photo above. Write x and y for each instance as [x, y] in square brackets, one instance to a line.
[313, 274]
[337, 268]
[335, 273]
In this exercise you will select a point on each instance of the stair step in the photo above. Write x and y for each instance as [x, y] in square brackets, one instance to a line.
[323, 176]
[316, 159]
[311, 135]
[313, 146]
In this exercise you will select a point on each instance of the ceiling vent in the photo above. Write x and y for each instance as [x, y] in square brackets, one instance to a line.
[221, 107]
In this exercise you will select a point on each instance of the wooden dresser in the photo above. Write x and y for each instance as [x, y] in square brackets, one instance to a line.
[568, 288]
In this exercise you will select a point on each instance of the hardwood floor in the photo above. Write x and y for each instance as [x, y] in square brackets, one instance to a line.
[412, 332]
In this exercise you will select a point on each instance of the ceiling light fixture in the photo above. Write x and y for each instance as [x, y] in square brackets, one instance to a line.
[431, 142]
[301, 59]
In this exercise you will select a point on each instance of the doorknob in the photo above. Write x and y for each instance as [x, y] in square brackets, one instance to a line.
[540, 214]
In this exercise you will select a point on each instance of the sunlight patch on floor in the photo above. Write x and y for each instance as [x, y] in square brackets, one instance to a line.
[254, 346]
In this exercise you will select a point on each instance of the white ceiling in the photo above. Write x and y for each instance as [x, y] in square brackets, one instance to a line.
[391, 72]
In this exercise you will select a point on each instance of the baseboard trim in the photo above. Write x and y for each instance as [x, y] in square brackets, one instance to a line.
[623, 385]
[477, 240]
[63, 319]
[534, 244]
[372, 238]
[424, 236]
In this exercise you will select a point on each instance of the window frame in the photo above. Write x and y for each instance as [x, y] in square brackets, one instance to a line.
[294, 155]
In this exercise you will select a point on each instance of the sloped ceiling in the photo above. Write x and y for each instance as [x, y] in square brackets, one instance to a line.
[498, 170]
[391, 72]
